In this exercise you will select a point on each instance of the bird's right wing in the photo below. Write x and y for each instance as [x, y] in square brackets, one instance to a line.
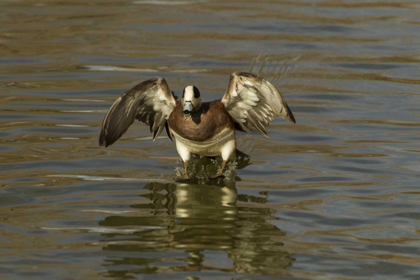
[150, 102]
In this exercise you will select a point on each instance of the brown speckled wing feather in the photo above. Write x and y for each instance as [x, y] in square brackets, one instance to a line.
[253, 102]
[150, 102]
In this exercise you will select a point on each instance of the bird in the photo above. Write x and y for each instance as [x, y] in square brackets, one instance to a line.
[249, 104]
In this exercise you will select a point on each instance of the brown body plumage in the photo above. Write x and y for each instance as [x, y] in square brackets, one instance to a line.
[204, 124]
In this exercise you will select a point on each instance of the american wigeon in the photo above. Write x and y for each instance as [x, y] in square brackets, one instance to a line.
[249, 104]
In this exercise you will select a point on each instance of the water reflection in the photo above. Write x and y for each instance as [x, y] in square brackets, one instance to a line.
[211, 227]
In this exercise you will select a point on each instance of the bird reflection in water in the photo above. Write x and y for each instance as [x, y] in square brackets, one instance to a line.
[218, 229]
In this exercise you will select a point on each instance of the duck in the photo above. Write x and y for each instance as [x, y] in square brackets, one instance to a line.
[249, 104]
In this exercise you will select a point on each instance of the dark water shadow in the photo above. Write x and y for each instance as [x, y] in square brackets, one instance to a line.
[204, 227]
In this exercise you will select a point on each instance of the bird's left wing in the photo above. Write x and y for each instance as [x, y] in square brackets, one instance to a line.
[150, 102]
[253, 102]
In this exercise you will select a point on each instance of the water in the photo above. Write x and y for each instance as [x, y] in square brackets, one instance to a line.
[335, 196]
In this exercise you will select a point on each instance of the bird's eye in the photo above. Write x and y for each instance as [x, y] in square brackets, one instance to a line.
[196, 93]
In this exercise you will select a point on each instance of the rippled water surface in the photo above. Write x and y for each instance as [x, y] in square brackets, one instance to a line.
[335, 196]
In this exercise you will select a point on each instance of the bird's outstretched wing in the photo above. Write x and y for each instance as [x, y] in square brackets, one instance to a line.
[150, 102]
[253, 102]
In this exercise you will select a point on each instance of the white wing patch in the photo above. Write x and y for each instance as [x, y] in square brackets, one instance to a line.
[162, 104]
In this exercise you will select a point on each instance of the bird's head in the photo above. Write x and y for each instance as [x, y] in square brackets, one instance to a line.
[191, 100]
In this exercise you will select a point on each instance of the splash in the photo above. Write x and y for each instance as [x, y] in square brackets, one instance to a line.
[202, 168]
[273, 68]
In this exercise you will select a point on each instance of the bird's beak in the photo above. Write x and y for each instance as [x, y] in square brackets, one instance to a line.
[188, 107]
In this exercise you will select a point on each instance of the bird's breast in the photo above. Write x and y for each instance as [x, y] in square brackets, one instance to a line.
[204, 126]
